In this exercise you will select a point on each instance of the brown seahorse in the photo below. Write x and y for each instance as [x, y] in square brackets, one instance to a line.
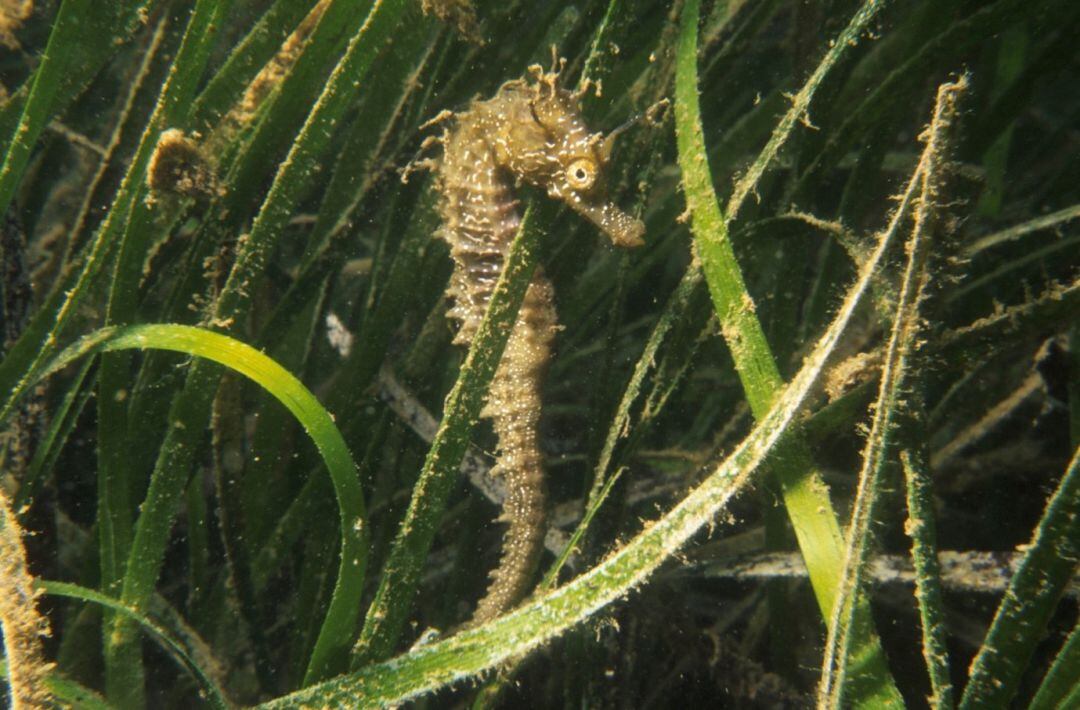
[528, 132]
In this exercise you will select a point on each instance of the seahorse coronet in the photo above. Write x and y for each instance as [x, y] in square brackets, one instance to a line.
[528, 132]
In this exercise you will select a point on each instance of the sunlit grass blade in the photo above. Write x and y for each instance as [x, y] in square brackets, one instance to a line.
[1061, 686]
[278, 116]
[128, 224]
[66, 691]
[1018, 231]
[82, 34]
[675, 308]
[247, 361]
[83, 37]
[212, 693]
[65, 416]
[104, 34]
[246, 59]
[805, 495]
[1021, 618]
[896, 379]
[189, 412]
[296, 398]
[357, 169]
[922, 529]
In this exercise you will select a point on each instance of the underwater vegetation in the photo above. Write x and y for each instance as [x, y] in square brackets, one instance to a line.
[288, 419]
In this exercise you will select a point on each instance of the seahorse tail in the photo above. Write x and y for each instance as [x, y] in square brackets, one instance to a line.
[524, 511]
[514, 405]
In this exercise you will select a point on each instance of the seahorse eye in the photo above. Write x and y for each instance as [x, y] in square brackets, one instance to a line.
[581, 174]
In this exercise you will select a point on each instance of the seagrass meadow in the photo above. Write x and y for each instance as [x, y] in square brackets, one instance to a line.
[812, 442]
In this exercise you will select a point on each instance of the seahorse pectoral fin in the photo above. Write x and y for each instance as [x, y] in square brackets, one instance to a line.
[622, 229]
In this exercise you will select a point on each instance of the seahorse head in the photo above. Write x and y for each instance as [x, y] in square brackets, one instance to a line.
[541, 138]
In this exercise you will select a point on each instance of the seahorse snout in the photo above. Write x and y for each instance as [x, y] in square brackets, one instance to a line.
[622, 229]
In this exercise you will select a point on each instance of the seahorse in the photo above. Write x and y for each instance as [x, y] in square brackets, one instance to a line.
[528, 132]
